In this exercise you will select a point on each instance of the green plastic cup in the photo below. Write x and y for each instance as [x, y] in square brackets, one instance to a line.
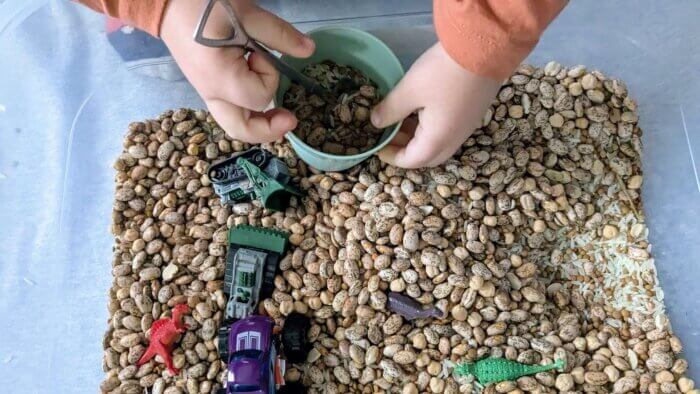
[354, 48]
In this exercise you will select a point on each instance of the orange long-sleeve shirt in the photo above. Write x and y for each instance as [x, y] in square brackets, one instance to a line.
[487, 37]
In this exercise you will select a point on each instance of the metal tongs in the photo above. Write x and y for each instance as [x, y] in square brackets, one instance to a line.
[239, 38]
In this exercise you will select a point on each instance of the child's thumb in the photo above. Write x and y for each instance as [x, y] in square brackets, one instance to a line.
[277, 34]
[396, 106]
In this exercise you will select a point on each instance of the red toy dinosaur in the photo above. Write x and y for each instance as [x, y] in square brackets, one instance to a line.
[164, 332]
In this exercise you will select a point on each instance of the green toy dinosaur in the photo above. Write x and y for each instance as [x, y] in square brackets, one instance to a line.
[490, 370]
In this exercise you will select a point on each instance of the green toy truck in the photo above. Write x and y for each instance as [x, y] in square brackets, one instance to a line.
[251, 264]
[255, 173]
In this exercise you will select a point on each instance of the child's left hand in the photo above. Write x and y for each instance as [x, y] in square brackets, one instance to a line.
[450, 102]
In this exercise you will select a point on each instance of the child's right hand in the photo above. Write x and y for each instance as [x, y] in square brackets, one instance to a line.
[450, 102]
[235, 89]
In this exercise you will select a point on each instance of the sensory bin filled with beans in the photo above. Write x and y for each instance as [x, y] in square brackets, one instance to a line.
[531, 239]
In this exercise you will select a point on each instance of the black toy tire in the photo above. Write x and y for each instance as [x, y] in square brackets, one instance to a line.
[295, 330]
[258, 158]
[223, 342]
[292, 388]
[277, 343]
[269, 273]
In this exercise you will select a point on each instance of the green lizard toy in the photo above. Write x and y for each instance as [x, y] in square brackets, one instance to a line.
[490, 370]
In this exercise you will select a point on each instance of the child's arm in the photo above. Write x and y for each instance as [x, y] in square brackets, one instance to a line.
[235, 88]
[492, 37]
[143, 14]
[452, 84]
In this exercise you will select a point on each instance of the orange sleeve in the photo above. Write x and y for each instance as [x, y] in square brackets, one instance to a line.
[491, 37]
[142, 14]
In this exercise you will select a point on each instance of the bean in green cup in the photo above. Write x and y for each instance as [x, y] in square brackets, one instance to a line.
[354, 48]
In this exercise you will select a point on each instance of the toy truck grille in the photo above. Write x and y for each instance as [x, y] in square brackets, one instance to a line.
[251, 265]
[246, 279]
[245, 289]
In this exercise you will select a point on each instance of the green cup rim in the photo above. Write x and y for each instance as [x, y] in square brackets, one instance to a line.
[366, 154]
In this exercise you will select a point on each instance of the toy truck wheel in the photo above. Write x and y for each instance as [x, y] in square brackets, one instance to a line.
[268, 280]
[223, 343]
[292, 388]
[273, 361]
[294, 337]
[258, 158]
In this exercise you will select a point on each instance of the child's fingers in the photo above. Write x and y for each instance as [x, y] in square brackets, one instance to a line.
[407, 131]
[276, 33]
[252, 83]
[399, 156]
[398, 104]
[401, 139]
[248, 84]
[419, 152]
[423, 141]
[250, 126]
[271, 125]
[415, 154]
[267, 73]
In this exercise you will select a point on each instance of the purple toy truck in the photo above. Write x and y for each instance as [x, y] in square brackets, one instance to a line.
[252, 356]
[250, 349]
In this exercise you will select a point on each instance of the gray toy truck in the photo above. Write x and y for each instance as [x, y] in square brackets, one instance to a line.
[251, 264]
[253, 174]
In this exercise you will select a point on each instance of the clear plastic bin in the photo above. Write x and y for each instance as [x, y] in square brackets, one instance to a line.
[66, 100]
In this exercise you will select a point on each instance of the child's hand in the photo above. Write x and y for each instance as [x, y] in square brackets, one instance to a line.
[450, 101]
[234, 88]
